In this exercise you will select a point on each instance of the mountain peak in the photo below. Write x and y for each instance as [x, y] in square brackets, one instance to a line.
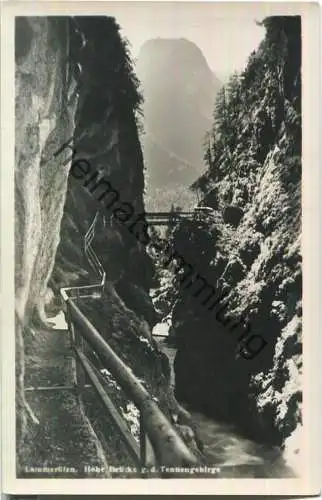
[177, 48]
[179, 90]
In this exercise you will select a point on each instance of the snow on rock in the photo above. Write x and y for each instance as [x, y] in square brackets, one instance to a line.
[161, 329]
[58, 322]
[132, 415]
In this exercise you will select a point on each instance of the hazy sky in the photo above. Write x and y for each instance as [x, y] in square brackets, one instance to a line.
[226, 39]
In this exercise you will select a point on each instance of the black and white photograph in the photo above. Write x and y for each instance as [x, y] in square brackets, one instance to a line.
[158, 261]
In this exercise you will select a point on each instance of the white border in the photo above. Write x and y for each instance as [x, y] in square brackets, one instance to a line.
[309, 482]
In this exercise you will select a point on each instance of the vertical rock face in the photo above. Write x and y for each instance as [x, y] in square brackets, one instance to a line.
[251, 250]
[44, 118]
[74, 79]
[106, 136]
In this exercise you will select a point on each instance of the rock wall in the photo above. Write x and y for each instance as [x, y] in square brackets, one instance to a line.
[74, 79]
[61, 209]
[44, 112]
[249, 250]
[106, 136]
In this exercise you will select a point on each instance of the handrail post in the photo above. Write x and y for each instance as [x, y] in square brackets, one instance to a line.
[79, 371]
[143, 443]
[71, 330]
[147, 458]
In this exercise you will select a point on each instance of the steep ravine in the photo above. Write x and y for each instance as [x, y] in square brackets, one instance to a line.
[248, 249]
[74, 78]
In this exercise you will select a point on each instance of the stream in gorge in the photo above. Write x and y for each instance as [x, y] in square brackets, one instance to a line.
[235, 455]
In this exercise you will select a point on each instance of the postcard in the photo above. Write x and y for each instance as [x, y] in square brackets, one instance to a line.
[159, 249]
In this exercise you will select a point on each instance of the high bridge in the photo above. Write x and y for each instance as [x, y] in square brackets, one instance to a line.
[166, 218]
[173, 217]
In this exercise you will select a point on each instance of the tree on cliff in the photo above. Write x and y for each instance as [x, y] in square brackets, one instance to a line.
[115, 66]
[271, 78]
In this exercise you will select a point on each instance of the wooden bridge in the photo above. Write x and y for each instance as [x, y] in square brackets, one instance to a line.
[156, 432]
[172, 218]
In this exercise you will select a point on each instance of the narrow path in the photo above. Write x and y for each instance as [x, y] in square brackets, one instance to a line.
[62, 439]
[235, 455]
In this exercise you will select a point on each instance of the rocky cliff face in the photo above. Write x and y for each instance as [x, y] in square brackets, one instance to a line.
[248, 248]
[106, 136]
[74, 79]
[179, 89]
[44, 117]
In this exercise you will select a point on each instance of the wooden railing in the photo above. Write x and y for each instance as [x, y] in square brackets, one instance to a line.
[159, 442]
[172, 218]
[156, 432]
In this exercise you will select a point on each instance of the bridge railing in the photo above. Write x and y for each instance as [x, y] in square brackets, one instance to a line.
[174, 217]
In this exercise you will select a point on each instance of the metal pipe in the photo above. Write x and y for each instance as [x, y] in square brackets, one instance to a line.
[142, 443]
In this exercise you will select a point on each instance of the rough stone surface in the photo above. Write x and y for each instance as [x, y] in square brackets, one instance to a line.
[44, 117]
[258, 262]
[232, 215]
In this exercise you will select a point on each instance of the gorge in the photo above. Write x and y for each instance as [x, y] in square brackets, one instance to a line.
[75, 78]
